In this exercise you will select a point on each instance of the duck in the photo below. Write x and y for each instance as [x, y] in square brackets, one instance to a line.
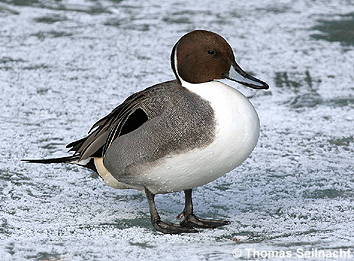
[176, 135]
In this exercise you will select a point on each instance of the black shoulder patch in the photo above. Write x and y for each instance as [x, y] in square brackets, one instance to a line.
[134, 121]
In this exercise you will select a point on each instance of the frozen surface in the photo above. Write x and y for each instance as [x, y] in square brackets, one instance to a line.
[65, 64]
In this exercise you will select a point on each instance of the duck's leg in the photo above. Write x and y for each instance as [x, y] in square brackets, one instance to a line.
[164, 227]
[191, 220]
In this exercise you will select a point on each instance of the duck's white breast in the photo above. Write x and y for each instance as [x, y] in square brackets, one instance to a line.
[236, 135]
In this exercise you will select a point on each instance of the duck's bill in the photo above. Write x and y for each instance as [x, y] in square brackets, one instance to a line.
[238, 75]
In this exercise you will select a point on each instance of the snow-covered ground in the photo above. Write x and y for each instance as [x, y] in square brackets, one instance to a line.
[65, 64]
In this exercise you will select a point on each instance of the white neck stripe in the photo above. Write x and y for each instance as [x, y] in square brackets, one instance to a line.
[183, 82]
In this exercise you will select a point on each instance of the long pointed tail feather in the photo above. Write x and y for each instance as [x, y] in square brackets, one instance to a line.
[68, 159]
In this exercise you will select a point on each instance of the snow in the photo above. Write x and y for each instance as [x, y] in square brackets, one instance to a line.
[65, 64]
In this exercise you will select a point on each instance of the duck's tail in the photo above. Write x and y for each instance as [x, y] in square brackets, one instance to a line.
[74, 159]
[68, 159]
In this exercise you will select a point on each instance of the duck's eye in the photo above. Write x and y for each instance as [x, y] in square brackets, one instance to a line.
[211, 52]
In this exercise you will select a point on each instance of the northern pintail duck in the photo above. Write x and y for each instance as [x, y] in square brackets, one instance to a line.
[176, 135]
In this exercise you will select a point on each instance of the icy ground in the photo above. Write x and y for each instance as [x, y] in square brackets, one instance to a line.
[65, 64]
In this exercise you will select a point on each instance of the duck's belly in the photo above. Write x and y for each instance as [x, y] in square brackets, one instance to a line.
[236, 135]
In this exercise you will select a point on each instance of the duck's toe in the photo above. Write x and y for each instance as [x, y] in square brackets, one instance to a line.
[170, 228]
[192, 221]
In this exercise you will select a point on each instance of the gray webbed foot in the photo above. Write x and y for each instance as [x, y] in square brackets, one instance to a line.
[164, 227]
[193, 221]
[170, 228]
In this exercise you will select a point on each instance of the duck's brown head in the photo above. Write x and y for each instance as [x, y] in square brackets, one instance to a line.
[202, 56]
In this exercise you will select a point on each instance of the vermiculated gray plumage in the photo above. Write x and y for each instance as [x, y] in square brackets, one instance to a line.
[179, 121]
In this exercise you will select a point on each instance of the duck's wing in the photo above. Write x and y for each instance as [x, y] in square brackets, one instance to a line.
[128, 116]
